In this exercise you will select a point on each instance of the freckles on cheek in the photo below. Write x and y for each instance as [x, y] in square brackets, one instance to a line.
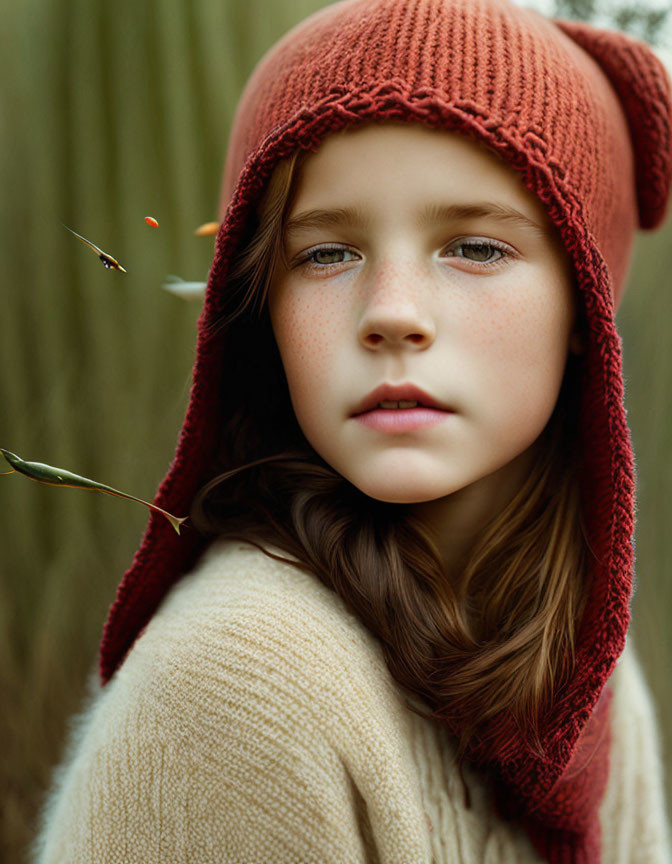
[305, 332]
[515, 336]
[497, 332]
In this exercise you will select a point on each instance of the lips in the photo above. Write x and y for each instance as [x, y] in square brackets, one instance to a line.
[395, 393]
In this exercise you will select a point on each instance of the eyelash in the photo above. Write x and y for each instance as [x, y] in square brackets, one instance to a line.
[505, 252]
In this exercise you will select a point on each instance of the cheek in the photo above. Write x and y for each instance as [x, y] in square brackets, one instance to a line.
[522, 352]
[305, 330]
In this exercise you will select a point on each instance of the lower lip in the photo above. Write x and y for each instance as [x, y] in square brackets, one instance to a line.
[401, 419]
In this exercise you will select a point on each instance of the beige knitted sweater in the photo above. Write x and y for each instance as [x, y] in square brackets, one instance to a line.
[254, 720]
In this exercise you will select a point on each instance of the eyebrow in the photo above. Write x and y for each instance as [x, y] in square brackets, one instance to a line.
[431, 214]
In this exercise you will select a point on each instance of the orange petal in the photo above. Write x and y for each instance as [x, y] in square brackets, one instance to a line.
[207, 229]
[150, 220]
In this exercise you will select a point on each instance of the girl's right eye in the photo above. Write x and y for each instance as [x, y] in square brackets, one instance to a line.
[316, 264]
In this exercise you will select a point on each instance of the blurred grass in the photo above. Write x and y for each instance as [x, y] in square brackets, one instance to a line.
[112, 111]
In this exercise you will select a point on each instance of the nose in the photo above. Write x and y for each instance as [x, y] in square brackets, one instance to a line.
[394, 319]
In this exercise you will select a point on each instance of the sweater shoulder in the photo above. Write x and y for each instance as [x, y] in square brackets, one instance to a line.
[265, 710]
[243, 627]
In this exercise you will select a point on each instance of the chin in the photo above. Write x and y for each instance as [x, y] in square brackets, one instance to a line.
[410, 493]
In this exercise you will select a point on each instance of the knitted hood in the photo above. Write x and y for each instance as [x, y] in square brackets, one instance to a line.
[585, 116]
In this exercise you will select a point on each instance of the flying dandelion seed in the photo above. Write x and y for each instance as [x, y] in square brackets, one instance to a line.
[150, 220]
[107, 260]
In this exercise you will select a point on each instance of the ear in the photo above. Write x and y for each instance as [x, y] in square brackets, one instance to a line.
[645, 93]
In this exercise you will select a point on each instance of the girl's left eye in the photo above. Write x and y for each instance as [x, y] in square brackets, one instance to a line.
[481, 249]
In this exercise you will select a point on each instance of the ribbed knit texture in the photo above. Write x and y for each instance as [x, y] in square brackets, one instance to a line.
[255, 722]
[585, 116]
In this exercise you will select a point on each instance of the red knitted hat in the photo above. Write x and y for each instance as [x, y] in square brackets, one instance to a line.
[585, 116]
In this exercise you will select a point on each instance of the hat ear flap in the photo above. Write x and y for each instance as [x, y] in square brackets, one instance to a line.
[643, 88]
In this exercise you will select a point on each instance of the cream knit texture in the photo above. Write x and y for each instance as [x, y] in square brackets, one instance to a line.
[255, 720]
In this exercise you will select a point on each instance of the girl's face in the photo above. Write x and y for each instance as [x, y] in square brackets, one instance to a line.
[472, 305]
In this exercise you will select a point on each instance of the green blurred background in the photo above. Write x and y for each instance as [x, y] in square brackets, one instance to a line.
[110, 112]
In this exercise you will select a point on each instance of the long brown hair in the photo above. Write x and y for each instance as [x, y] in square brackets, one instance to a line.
[487, 647]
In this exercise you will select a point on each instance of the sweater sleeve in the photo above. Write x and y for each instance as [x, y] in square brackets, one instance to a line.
[633, 812]
[234, 732]
[120, 793]
[243, 783]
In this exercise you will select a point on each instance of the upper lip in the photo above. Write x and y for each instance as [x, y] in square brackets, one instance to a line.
[396, 392]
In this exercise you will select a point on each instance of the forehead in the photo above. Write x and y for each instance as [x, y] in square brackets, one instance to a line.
[392, 161]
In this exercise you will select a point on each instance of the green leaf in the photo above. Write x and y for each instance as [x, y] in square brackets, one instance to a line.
[51, 476]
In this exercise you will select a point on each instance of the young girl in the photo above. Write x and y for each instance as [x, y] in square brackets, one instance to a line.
[395, 630]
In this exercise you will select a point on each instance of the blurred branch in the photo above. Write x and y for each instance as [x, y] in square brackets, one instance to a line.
[639, 20]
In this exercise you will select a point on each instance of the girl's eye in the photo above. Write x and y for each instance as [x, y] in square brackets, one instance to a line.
[316, 257]
[478, 251]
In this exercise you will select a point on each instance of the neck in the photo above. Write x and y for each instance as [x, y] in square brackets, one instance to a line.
[455, 520]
